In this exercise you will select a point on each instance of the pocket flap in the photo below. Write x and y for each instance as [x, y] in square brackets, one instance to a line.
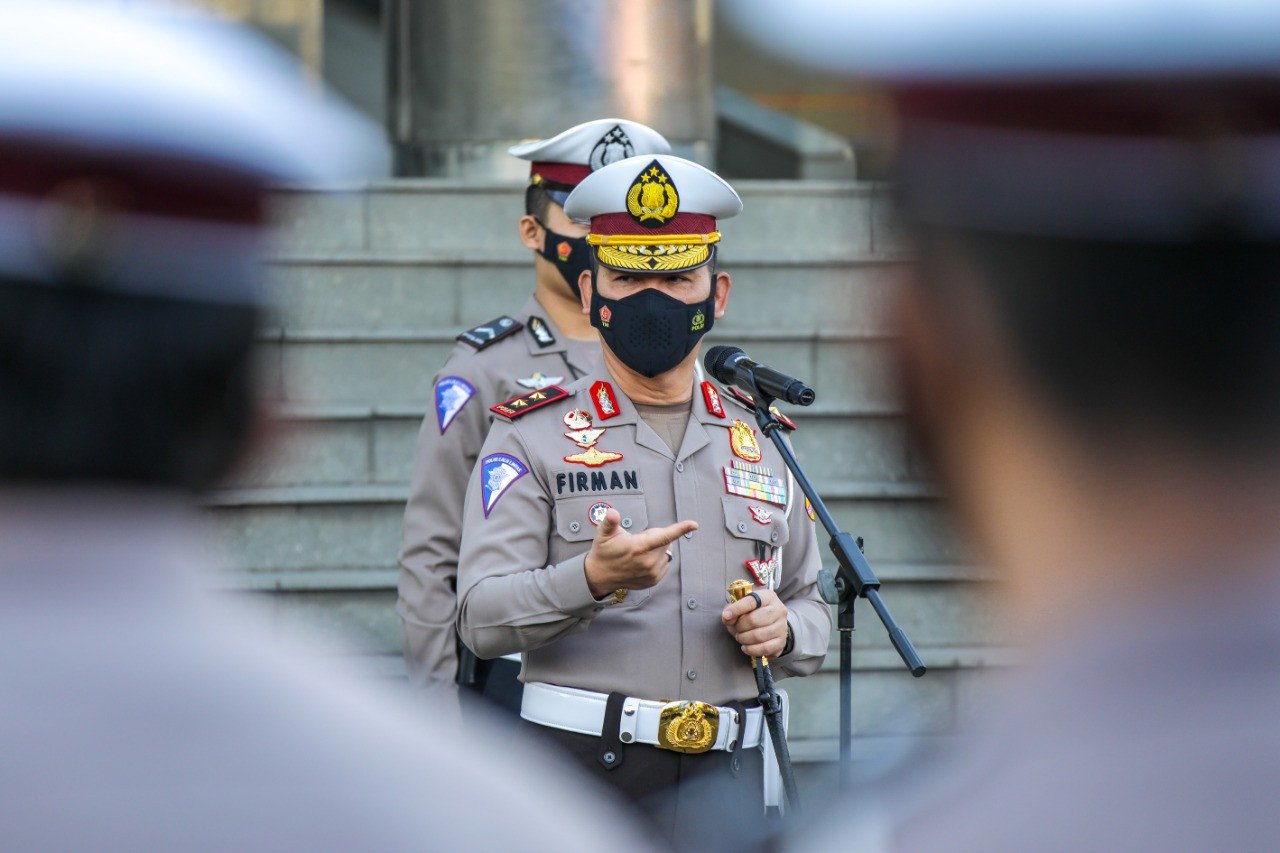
[757, 520]
[577, 517]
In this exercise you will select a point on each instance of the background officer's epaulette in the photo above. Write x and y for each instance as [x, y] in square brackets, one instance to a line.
[491, 332]
[742, 398]
[526, 403]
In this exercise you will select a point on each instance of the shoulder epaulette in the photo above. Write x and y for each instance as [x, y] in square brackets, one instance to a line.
[742, 398]
[526, 403]
[540, 331]
[491, 332]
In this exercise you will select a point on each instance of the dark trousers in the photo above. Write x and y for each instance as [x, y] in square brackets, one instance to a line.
[708, 801]
[497, 685]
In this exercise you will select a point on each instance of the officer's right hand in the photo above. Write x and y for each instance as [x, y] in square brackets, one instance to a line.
[622, 560]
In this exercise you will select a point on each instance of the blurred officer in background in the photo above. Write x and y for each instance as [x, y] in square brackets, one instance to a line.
[136, 713]
[548, 342]
[1091, 346]
[607, 518]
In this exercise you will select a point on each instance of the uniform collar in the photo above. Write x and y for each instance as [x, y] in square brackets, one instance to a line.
[695, 437]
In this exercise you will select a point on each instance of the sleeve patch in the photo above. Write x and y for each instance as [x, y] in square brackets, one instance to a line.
[452, 393]
[498, 472]
[524, 404]
[489, 333]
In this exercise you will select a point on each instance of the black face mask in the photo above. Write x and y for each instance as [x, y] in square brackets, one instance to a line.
[649, 331]
[571, 256]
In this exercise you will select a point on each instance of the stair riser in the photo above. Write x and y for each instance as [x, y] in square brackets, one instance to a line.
[318, 296]
[365, 621]
[854, 374]
[368, 534]
[778, 221]
[381, 450]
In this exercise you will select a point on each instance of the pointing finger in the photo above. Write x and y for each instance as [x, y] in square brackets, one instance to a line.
[660, 537]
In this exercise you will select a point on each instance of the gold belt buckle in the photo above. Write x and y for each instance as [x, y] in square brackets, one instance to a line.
[689, 727]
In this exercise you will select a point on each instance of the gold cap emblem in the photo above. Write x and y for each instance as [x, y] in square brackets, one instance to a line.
[652, 199]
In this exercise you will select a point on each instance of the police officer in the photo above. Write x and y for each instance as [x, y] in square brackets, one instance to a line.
[606, 518]
[548, 342]
[138, 713]
[1090, 341]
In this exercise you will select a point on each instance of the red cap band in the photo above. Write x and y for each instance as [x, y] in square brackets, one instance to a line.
[681, 223]
[562, 173]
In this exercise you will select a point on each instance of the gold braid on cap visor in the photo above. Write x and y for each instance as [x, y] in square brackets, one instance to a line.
[656, 253]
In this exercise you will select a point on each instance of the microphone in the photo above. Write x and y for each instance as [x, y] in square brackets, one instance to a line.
[731, 366]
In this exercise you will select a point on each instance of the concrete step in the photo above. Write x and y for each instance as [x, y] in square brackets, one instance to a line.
[358, 527]
[956, 611]
[394, 368]
[809, 220]
[381, 292]
[354, 445]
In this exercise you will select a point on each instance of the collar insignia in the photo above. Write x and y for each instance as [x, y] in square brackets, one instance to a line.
[541, 332]
[605, 402]
[712, 398]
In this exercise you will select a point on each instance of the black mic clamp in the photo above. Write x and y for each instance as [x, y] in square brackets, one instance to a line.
[731, 366]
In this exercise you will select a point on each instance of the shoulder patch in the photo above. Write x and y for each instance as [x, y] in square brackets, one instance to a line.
[541, 331]
[526, 403]
[497, 472]
[452, 393]
[489, 333]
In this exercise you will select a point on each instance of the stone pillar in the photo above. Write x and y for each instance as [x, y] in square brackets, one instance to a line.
[467, 78]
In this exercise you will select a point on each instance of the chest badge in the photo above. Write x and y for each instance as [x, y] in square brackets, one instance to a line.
[582, 433]
[760, 515]
[742, 439]
[537, 381]
[764, 571]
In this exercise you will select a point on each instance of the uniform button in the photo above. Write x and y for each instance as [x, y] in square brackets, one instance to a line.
[626, 523]
[680, 467]
[689, 535]
[773, 537]
[693, 604]
[574, 527]
[692, 675]
[742, 527]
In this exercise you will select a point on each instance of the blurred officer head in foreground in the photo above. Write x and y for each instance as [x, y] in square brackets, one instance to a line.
[136, 714]
[1091, 348]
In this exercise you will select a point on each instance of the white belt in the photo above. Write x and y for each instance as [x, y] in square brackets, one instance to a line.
[582, 711]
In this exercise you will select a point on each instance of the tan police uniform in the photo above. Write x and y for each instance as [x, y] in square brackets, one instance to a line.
[532, 511]
[504, 358]
[495, 361]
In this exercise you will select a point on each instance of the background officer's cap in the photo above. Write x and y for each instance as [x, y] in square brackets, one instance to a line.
[1096, 119]
[560, 163]
[653, 214]
[138, 143]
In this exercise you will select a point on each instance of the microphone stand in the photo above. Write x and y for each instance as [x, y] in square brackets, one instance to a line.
[855, 579]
